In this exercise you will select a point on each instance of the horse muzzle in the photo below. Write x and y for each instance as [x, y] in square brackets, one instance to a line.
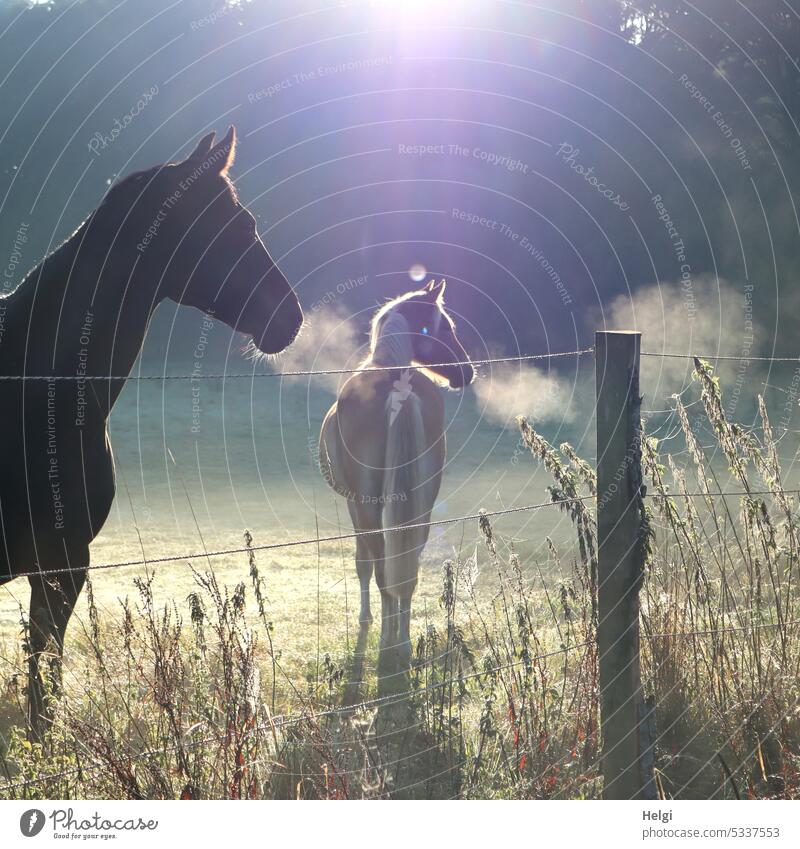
[460, 376]
[281, 330]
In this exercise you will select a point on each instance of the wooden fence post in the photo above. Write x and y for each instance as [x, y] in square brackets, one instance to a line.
[627, 726]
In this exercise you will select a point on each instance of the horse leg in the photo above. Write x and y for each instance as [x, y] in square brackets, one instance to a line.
[53, 599]
[364, 564]
[369, 550]
[388, 601]
[404, 648]
[364, 567]
[388, 621]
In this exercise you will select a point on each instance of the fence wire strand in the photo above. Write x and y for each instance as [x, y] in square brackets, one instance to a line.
[731, 357]
[316, 540]
[269, 546]
[282, 721]
[523, 358]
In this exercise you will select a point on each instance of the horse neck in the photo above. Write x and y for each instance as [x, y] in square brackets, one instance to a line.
[82, 312]
[391, 343]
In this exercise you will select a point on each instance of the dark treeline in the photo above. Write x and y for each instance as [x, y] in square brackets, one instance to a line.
[546, 160]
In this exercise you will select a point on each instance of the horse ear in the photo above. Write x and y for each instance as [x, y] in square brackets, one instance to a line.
[203, 146]
[437, 289]
[222, 155]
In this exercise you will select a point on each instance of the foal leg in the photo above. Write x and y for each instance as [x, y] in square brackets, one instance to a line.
[389, 617]
[404, 648]
[364, 565]
[388, 601]
[369, 550]
[53, 599]
[364, 569]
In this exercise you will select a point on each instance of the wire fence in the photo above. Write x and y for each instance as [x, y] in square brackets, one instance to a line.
[523, 358]
[519, 358]
[319, 540]
[316, 540]
[740, 358]
[280, 722]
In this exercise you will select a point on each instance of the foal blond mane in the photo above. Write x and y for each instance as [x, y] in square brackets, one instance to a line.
[389, 341]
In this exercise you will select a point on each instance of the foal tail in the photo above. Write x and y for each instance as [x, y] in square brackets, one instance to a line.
[405, 487]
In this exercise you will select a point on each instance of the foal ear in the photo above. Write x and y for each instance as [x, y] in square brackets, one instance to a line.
[222, 155]
[436, 290]
[203, 146]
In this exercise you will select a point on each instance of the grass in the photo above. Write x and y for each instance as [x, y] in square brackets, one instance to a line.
[227, 692]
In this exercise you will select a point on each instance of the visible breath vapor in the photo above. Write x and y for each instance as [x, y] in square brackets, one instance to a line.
[712, 316]
[518, 389]
[330, 339]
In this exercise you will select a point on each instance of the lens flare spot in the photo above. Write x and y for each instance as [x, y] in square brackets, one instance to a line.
[417, 272]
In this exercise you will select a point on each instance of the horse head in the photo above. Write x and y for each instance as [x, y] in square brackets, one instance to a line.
[433, 336]
[204, 247]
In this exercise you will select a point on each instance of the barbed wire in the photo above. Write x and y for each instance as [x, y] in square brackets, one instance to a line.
[280, 721]
[707, 632]
[361, 369]
[316, 540]
[286, 720]
[732, 357]
[313, 373]
[723, 493]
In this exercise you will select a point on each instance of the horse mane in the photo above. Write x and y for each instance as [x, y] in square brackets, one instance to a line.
[53, 267]
[58, 264]
[389, 342]
[389, 337]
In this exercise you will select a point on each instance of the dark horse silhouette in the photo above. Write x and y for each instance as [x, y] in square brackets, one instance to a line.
[175, 231]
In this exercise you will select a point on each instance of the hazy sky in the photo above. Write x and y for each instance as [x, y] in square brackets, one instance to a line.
[548, 167]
